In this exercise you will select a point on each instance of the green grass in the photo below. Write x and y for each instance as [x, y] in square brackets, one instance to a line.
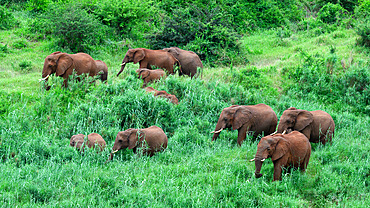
[39, 169]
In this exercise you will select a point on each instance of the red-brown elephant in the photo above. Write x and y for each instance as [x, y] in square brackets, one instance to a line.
[291, 150]
[148, 58]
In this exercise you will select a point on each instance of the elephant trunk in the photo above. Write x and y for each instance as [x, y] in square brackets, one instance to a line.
[219, 128]
[122, 68]
[280, 129]
[258, 164]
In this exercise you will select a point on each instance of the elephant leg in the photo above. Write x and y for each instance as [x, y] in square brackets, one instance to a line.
[242, 134]
[277, 171]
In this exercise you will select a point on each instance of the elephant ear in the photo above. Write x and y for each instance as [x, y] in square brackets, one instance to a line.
[304, 118]
[241, 116]
[176, 50]
[281, 148]
[144, 74]
[64, 62]
[139, 55]
[133, 139]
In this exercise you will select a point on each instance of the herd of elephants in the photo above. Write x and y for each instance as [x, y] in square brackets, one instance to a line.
[288, 147]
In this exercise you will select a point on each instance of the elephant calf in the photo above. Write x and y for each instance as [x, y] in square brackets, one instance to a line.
[93, 140]
[291, 150]
[189, 61]
[258, 119]
[148, 75]
[171, 98]
[317, 126]
[150, 140]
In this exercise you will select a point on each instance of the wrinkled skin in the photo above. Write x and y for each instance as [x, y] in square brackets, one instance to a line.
[148, 58]
[317, 126]
[150, 140]
[190, 61]
[93, 140]
[148, 75]
[102, 70]
[259, 119]
[63, 65]
[172, 98]
[290, 151]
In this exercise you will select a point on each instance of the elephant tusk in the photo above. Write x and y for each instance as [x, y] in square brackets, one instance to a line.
[252, 160]
[263, 160]
[217, 131]
[284, 132]
[123, 64]
[114, 151]
[273, 133]
[44, 78]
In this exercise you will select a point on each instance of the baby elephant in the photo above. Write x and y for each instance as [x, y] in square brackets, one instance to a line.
[92, 140]
[172, 98]
[291, 150]
[151, 140]
[148, 75]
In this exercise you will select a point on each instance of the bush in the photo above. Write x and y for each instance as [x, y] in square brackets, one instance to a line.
[74, 28]
[332, 13]
[7, 19]
[363, 30]
[205, 31]
[363, 9]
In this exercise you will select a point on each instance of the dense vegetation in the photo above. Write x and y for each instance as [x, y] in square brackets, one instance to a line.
[310, 55]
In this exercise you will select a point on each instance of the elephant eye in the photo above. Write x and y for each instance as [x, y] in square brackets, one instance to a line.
[268, 148]
[120, 140]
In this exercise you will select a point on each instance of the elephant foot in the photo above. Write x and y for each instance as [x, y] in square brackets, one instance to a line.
[258, 175]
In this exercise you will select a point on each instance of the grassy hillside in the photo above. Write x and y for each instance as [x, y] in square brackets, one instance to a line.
[278, 67]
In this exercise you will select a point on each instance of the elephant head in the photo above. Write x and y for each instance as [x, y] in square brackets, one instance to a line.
[234, 116]
[125, 139]
[132, 55]
[270, 146]
[57, 63]
[143, 73]
[175, 51]
[294, 119]
[77, 141]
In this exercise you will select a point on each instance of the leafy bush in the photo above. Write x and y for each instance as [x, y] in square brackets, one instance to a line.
[38, 5]
[206, 31]
[332, 13]
[7, 19]
[363, 9]
[75, 28]
[363, 30]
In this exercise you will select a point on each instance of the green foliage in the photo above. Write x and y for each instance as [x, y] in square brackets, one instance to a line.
[7, 19]
[363, 30]
[38, 5]
[19, 44]
[363, 9]
[332, 13]
[348, 5]
[74, 28]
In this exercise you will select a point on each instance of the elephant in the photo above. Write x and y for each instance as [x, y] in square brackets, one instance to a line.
[189, 61]
[258, 119]
[151, 140]
[172, 98]
[78, 141]
[317, 126]
[63, 64]
[148, 75]
[102, 70]
[291, 150]
[148, 58]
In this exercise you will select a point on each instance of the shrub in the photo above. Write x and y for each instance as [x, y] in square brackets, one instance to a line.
[38, 5]
[363, 30]
[7, 19]
[332, 13]
[74, 28]
[363, 9]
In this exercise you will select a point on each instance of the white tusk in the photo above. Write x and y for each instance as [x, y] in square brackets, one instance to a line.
[123, 64]
[114, 151]
[263, 160]
[44, 78]
[273, 133]
[217, 131]
[284, 132]
[252, 160]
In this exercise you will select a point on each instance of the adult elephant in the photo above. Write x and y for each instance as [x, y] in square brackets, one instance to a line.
[148, 58]
[258, 119]
[63, 65]
[317, 126]
[190, 61]
[291, 150]
[150, 140]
